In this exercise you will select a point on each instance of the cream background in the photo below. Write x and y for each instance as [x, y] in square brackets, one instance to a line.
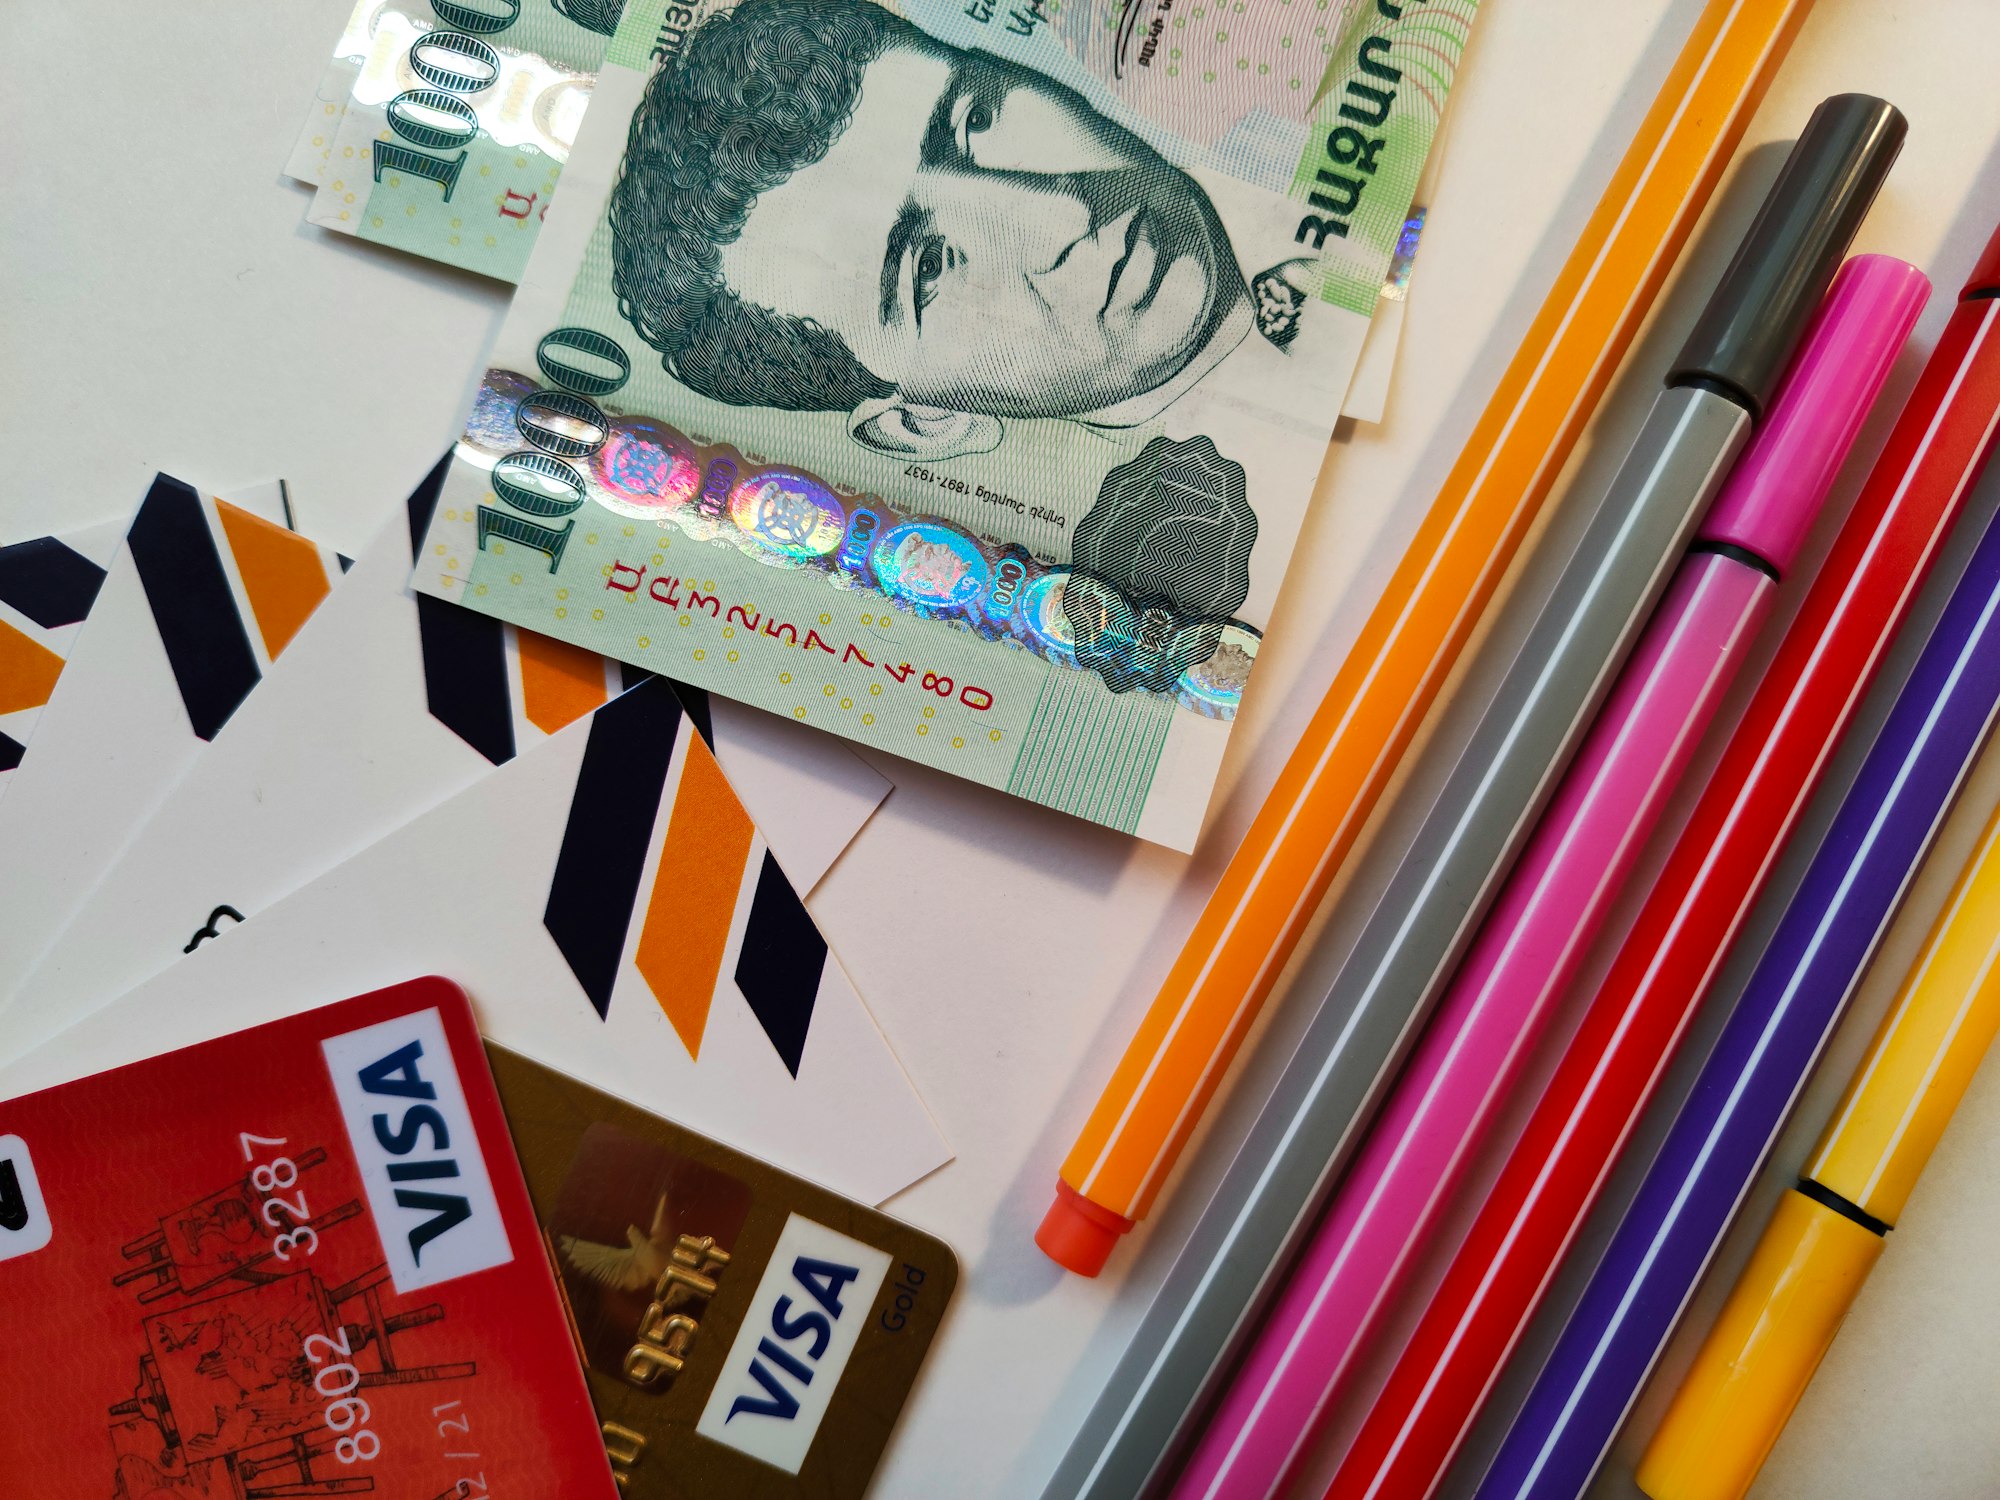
[164, 305]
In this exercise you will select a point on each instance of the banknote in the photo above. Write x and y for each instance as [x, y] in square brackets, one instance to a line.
[441, 127]
[953, 377]
[527, 128]
[314, 144]
[1368, 393]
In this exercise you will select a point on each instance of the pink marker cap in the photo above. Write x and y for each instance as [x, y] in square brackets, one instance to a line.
[1771, 497]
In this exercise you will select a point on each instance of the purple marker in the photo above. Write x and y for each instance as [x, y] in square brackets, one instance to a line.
[1747, 1086]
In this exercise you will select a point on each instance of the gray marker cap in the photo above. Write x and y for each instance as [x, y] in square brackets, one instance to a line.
[1752, 324]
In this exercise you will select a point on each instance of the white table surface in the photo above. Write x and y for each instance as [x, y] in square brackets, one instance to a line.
[164, 306]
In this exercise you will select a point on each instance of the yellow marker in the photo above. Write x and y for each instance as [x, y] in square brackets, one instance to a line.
[1828, 1232]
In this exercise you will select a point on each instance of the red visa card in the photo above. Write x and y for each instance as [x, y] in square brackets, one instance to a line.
[297, 1261]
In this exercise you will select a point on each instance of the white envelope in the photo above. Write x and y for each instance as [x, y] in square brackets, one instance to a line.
[612, 912]
[200, 599]
[387, 704]
[47, 585]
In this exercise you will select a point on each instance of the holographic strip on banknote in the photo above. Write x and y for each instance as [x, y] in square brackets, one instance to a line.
[874, 322]
[921, 565]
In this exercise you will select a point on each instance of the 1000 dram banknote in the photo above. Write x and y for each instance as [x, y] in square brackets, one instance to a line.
[441, 127]
[953, 377]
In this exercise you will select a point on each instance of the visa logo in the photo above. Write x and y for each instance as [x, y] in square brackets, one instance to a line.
[804, 1320]
[419, 1156]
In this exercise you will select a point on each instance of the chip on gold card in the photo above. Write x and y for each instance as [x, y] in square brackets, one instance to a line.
[746, 1333]
[296, 1261]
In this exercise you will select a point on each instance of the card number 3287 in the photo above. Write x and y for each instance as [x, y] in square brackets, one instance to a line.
[272, 1179]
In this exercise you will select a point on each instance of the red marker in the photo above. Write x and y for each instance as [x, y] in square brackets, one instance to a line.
[1709, 885]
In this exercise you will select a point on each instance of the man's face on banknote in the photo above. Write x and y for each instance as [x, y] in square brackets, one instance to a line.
[933, 238]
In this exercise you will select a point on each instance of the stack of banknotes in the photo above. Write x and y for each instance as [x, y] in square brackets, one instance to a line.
[949, 379]
[952, 378]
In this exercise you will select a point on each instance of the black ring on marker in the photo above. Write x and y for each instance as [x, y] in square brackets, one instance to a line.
[1826, 1197]
[1715, 385]
[1741, 554]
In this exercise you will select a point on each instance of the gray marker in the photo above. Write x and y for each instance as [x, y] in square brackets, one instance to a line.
[1716, 391]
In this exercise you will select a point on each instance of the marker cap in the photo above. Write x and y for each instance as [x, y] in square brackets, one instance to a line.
[1776, 1327]
[1985, 279]
[1079, 1235]
[1776, 489]
[1747, 333]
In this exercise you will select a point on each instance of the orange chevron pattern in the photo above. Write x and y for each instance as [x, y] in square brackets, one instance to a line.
[28, 670]
[692, 904]
[560, 683]
[282, 572]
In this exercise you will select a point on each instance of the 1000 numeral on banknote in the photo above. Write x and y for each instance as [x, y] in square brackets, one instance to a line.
[440, 127]
[950, 377]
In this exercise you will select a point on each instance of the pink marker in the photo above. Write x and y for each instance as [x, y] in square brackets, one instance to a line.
[1553, 904]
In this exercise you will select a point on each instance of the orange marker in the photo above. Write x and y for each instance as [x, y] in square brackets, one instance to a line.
[1407, 648]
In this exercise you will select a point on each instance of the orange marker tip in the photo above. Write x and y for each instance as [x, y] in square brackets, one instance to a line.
[1079, 1235]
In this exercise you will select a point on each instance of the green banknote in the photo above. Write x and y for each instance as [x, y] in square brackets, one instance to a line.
[950, 376]
[441, 126]
[336, 81]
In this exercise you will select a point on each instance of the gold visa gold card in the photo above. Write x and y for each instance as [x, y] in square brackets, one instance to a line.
[746, 1333]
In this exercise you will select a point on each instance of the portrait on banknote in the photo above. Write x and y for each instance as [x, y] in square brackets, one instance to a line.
[1012, 252]
[949, 374]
